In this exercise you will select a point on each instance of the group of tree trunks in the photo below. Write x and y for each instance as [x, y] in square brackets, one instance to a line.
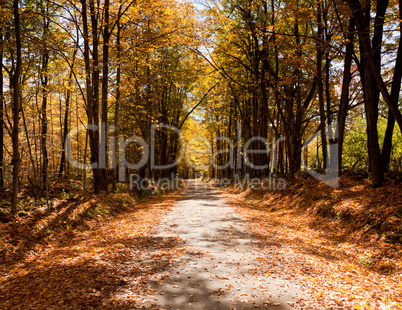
[272, 72]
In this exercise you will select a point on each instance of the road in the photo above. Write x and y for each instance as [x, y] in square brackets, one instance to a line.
[221, 269]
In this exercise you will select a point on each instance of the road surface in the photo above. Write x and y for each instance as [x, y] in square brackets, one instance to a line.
[221, 269]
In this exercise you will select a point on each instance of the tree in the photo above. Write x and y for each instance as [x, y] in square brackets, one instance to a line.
[372, 81]
[1, 104]
[344, 100]
[15, 76]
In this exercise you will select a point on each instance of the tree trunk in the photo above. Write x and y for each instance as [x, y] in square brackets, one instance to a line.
[295, 119]
[16, 160]
[117, 105]
[92, 88]
[371, 98]
[371, 67]
[344, 101]
[44, 83]
[66, 114]
[396, 87]
[105, 76]
[1, 110]
[332, 156]
[361, 21]
[321, 86]
[99, 185]
[88, 79]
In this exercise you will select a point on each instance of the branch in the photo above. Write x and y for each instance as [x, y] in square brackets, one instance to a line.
[199, 102]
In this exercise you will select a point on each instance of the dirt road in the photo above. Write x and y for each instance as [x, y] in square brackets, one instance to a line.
[221, 269]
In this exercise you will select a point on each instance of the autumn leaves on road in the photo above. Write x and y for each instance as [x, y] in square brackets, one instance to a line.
[222, 269]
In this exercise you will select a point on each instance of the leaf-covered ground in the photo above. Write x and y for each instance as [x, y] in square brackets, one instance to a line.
[84, 255]
[334, 241]
[340, 244]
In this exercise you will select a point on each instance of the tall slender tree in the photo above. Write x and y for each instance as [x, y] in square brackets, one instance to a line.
[1, 104]
[15, 83]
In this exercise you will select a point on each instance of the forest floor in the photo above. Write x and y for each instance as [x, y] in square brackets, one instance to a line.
[342, 244]
[91, 255]
[307, 247]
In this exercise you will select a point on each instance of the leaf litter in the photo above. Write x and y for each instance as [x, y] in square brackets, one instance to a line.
[102, 263]
[337, 261]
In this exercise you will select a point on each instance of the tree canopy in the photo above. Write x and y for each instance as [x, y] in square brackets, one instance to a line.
[317, 81]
